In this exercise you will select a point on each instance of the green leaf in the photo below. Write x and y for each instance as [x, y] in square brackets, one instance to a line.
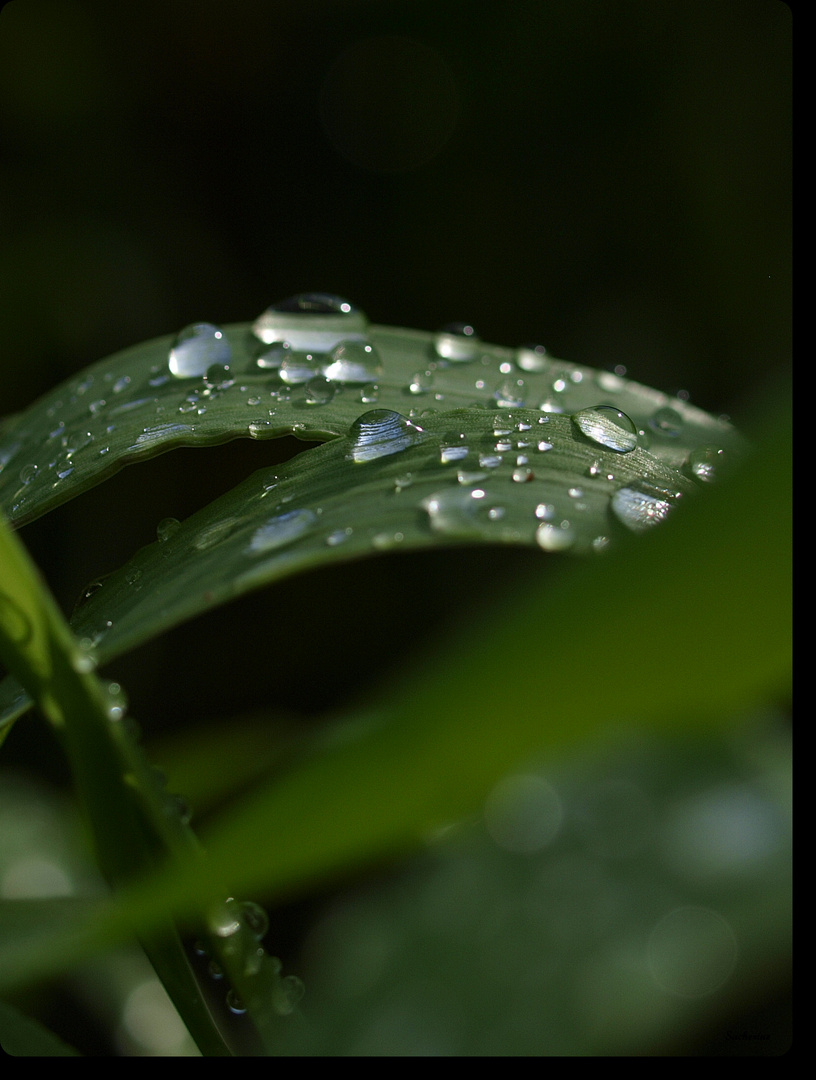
[130, 407]
[672, 632]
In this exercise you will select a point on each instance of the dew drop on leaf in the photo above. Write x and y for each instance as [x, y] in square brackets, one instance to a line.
[607, 426]
[281, 530]
[311, 322]
[637, 510]
[353, 362]
[554, 537]
[298, 368]
[196, 348]
[381, 432]
[319, 391]
[532, 358]
[705, 463]
[166, 528]
[457, 342]
[666, 421]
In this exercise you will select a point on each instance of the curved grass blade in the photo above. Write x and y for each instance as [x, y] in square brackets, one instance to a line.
[132, 406]
[22, 1036]
[685, 630]
[470, 476]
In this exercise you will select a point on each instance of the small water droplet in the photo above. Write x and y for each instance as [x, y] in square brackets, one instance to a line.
[609, 382]
[639, 511]
[311, 322]
[421, 382]
[384, 541]
[666, 421]
[705, 463]
[532, 358]
[462, 511]
[381, 432]
[523, 475]
[121, 384]
[28, 472]
[554, 537]
[457, 342]
[447, 454]
[281, 530]
[212, 534]
[288, 994]
[272, 357]
[490, 461]
[115, 701]
[255, 919]
[196, 348]
[319, 391]
[369, 394]
[339, 536]
[234, 1003]
[353, 362]
[511, 393]
[166, 528]
[607, 426]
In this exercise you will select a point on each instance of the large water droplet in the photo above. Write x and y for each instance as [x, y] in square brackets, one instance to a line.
[608, 426]
[381, 432]
[458, 342]
[311, 322]
[281, 530]
[354, 362]
[639, 511]
[196, 348]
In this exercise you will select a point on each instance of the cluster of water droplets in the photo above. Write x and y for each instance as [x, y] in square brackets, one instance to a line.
[237, 930]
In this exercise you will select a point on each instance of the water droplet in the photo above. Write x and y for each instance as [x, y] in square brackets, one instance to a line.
[462, 511]
[212, 534]
[297, 368]
[28, 472]
[447, 454]
[255, 919]
[666, 421]
[196, 348]
[166, 528]
[116, 702]
[384, 541]
[543, 446]
[288, 994]
[224, 918]
[705, 463]
[639, 511]
[339, 536]
[532, 358]
[381, 432]
[121, 384]
[319, 391]
[607, 426]
[234, 1003]
[523, 475]
[354, 362]
[554, 537]
[282, 530]
[369, 394]
[421, 382]
[457, 342]
[271, 358]
[311, 322]
[511, 393]
[490, 461]
[609, 382]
